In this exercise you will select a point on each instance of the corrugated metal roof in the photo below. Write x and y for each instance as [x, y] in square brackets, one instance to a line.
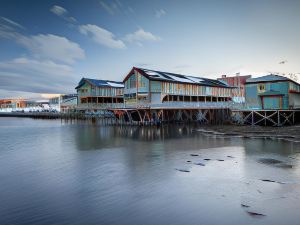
[179, 78]
[100, 83]
[267, 78]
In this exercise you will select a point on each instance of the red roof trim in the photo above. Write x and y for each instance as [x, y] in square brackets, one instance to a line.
[129, 74]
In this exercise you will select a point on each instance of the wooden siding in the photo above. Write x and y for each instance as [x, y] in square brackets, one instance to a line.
[90, 90]
[140, 89]
[194, 90]
[294, 87]
[255, 92]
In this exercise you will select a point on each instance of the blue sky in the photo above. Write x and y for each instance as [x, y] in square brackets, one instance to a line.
[47, 46]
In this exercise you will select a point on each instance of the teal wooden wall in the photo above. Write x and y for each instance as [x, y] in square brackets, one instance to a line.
[253, 99]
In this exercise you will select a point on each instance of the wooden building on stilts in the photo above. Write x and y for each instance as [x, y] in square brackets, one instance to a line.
[99, 95]
[271, 100]
[152, 96]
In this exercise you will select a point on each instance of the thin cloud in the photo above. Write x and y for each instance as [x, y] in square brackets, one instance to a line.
[9, 29]
[30, 75]
[130, 9]
[119, 3]
[159, 13]
[63, 13]
[109, 9]
[98, 34]
[116, 7]
[12, 23]
[101, 36]
[141, 36]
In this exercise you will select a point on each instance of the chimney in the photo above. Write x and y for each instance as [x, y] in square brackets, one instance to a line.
[223, 76]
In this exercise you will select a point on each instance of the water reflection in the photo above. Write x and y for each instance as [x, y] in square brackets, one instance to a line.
[54, 172]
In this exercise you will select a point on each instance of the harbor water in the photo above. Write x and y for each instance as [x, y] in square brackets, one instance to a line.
[79, 172]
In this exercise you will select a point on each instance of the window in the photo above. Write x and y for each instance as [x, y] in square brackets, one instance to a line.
[261, 88]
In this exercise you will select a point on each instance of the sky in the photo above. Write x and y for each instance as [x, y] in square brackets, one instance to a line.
[46, 46]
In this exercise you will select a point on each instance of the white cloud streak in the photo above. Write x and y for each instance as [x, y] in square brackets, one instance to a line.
[52, 47]
[101, 36]
[63, 13]
[13, 23]
[140, 36]
[109, 9]
[159, 13]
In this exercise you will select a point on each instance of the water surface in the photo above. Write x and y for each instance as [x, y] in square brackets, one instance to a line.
[56, 172]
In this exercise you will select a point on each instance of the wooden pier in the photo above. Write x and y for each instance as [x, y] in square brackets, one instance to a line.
[157, 116]
[266, 117]
[145, 116]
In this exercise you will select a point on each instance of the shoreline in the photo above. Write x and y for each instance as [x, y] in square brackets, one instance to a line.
[286, 133]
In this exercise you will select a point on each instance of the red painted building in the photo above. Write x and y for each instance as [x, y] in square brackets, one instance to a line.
[238, 94]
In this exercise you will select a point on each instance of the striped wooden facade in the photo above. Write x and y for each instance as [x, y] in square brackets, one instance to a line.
[140, 89]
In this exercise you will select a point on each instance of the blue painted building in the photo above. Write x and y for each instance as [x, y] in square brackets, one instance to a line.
[144, 86]
[272, 92]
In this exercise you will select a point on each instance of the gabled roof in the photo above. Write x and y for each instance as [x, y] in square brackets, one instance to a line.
[100, 83]
[268, 78]
[177, 78]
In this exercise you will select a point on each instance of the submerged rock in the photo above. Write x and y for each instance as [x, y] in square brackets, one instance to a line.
[194, 155]
[200, 164]
[255, 214]
[285, 166]
[229, 156]
[269, 161]
[245, 206]
[206, 159]
[275, 162]
[272, 181]
[183, 170]
[221, 160]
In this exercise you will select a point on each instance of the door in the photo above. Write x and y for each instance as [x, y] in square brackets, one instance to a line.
[271, 102]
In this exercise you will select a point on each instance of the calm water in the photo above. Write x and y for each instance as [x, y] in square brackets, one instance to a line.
[77, 173]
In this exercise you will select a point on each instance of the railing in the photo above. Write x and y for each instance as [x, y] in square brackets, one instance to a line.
[100, 105]
[181, 105]
[243, 106]
[166, 105]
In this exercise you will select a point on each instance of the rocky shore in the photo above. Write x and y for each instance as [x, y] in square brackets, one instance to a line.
[287, 133]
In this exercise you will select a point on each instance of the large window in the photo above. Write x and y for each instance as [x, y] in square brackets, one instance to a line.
[141, 81]
[131, 82]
